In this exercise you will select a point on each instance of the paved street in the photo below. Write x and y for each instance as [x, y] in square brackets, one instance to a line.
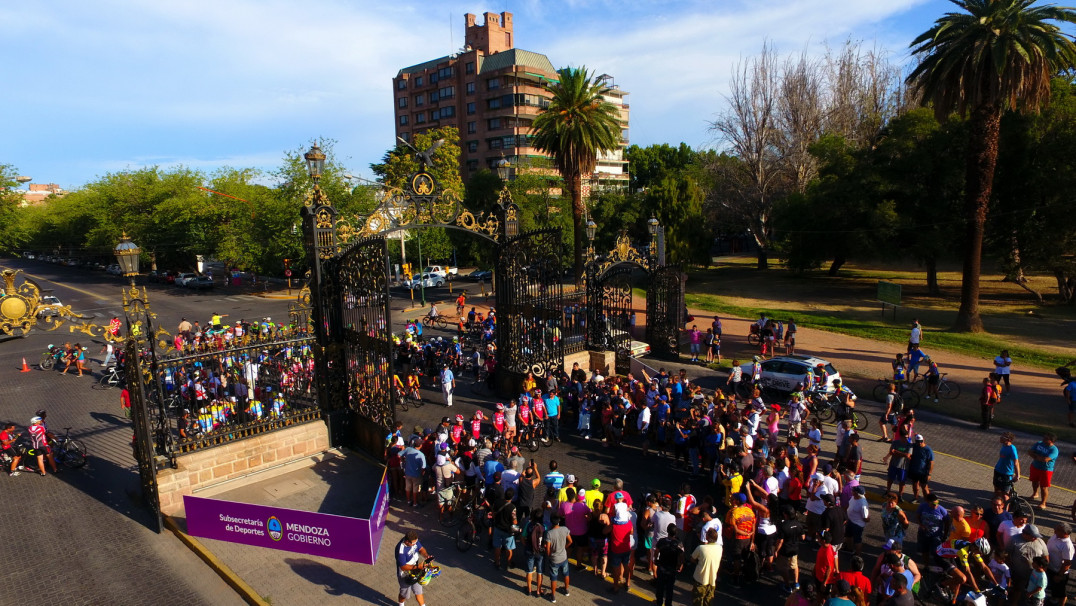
[93, 512]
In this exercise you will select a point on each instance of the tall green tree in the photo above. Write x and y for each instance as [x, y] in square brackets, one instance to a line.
[578, 125]
[11, 236]
[995, 55]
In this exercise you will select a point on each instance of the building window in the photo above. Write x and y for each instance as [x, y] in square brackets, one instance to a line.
[495, 144]
[401, 84]
[418, 81]
[494, 103]
[470, 67]
[509, 142]
[405, 136]
[403, 120]
[470, 88]
[444, 72]
[447, 92]
[493, 123]
[493, 84]
[471, 108]
[472, 146]
[420, 100]
[472, 128]
[448, 112]
[433, 78]
[402, 101]
[435, 115]
[433, 97]
[472, 165]
[420, 118]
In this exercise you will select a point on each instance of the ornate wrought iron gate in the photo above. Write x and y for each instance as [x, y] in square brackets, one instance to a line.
[144, 450]
[530, 302]
[361, 305]
[665, 311]
[609, 311]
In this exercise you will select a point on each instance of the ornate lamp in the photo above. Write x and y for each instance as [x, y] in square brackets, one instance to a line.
[652, 226]
[592, 229]
[504, 169]
[127, 256]
[315, 162]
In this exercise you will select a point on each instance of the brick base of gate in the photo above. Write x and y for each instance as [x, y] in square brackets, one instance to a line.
[205, 468]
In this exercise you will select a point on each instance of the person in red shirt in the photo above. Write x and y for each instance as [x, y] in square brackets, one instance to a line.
[855, 577]
[826, 569]
[498, 420]
[610, 500]
[476, 424]
[7, 444]
[538, 406]
[456, 433]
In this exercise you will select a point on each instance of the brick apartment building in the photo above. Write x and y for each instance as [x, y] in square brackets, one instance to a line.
[38, 192]
[492, 91]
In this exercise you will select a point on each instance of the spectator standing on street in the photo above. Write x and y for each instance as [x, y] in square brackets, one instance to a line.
[707, 560]
[916, 336]
[414, 463]
[557, 541]
[534, 550]
[1061, 553]
[1023, 549]
[670, 561]
[1043, 456]
[410, 557]
[988, 397]
[1002, 369]
[920, 466]
[934, 525]
[448, 384]
[1007, 468]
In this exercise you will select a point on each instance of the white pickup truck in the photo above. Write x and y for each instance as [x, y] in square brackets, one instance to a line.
[441, 270]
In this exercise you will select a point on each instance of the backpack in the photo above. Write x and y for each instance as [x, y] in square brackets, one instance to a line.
[752, 567]
[536, 538]
[669, 556]
[898, 404]
[997, 393]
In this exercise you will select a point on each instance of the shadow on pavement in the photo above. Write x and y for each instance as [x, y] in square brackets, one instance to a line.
[334, 582]
[117, 487]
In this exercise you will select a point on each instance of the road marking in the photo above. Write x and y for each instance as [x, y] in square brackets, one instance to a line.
[68, 286]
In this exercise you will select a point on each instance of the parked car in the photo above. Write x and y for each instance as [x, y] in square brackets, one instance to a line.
[181, 279]
[783, 373]
[199, 282]
[443, 271]
[50, 306]
[481, 275]
[427, 281]
[114, 269]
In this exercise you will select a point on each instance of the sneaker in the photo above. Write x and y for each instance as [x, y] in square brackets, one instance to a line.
[553, 599]
[15, 473]
[566, 594]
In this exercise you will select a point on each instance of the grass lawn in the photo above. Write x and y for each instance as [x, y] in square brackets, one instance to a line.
[1039, 336]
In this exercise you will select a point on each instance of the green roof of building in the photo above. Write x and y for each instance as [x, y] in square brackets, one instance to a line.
[515, 56]
[421, 67]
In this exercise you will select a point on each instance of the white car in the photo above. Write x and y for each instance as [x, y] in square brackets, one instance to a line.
[181, 279]
[50, 306]
[428, 281]
[783, 373]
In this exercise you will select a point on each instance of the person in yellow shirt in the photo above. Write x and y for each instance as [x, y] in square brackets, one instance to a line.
[961, 527]
[529, 383]
[733, 482]
[594, 497]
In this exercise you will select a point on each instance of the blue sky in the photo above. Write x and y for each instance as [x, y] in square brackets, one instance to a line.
[97, 87]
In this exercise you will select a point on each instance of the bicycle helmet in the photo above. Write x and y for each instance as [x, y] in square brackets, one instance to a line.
[459, 418]
[478, 415]
[41, 413]
[35, 420]
[983, 546]
[500, 406]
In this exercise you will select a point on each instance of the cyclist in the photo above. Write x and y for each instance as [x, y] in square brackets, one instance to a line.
[398, 385]
[39, 447]
[820, 380]
[413, 385]
[1007, 469]
[900, 372]
[461, 302]
[959, 555]
[846, 400]
[756, 373]
[8, 438]
[933, 378]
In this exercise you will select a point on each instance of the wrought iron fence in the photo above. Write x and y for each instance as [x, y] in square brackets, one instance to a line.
[256, 385]
[574, 322]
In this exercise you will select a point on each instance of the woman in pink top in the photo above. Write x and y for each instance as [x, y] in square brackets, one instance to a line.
[575, 512]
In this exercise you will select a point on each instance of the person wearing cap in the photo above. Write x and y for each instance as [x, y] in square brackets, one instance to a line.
[595, 498]
[448, 384]
[1023, 549]
[920, 466]
[934, 523]
[444, 474]
[570, 481]
[1062, 552]
[39, 447]
[620, 541]
[740, 526]
[1007, 468]
[839, 594]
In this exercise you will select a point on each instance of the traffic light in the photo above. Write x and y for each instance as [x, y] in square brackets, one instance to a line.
[287, 263]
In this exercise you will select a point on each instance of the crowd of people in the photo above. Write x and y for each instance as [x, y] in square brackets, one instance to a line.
[766, 485]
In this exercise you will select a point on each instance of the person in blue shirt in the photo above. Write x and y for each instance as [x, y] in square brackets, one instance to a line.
[1043, 457]
[552, 408]
[490, 467]
[411, 557]
[414, 463]
[554, 479]
[920, 466]
[1007, 469]
[914, 359]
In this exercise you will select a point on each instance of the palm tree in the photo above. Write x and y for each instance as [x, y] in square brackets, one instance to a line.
[578, 125]
[998, 55]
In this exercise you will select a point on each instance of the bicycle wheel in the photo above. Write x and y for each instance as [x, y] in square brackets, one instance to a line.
[465, 536]
[752, 339]
[546, 441]
[103, 383]
[880, 391]
[74, 454]
[859, 421]
[416, 402]
[948, 390]
[919, 385]
[532, 444]
[1019, 504]
[827, 414]
[910, 397]
[402, 404]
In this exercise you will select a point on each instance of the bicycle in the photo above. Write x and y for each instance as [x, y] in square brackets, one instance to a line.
[435, 321]
[947, 390]
[68, 451]
[829, 410]
[475, 521]
[454, 515]
[904, 391]
[109, 379]
[528, 438]
[1014, 503]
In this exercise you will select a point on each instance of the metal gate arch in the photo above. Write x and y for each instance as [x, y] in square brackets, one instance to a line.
[609, 308]
[665, 311]
[530, 307]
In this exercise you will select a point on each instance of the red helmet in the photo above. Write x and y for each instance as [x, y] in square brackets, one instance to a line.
[459, 418]
[478, 414]
[500, 406]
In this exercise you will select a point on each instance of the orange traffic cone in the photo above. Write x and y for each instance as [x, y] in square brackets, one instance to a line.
[25, 368]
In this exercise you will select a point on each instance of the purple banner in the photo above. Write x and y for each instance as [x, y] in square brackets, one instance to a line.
[318, 534]
[378, 515]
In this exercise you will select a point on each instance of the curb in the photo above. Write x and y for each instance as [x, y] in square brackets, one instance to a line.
[240, 586]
